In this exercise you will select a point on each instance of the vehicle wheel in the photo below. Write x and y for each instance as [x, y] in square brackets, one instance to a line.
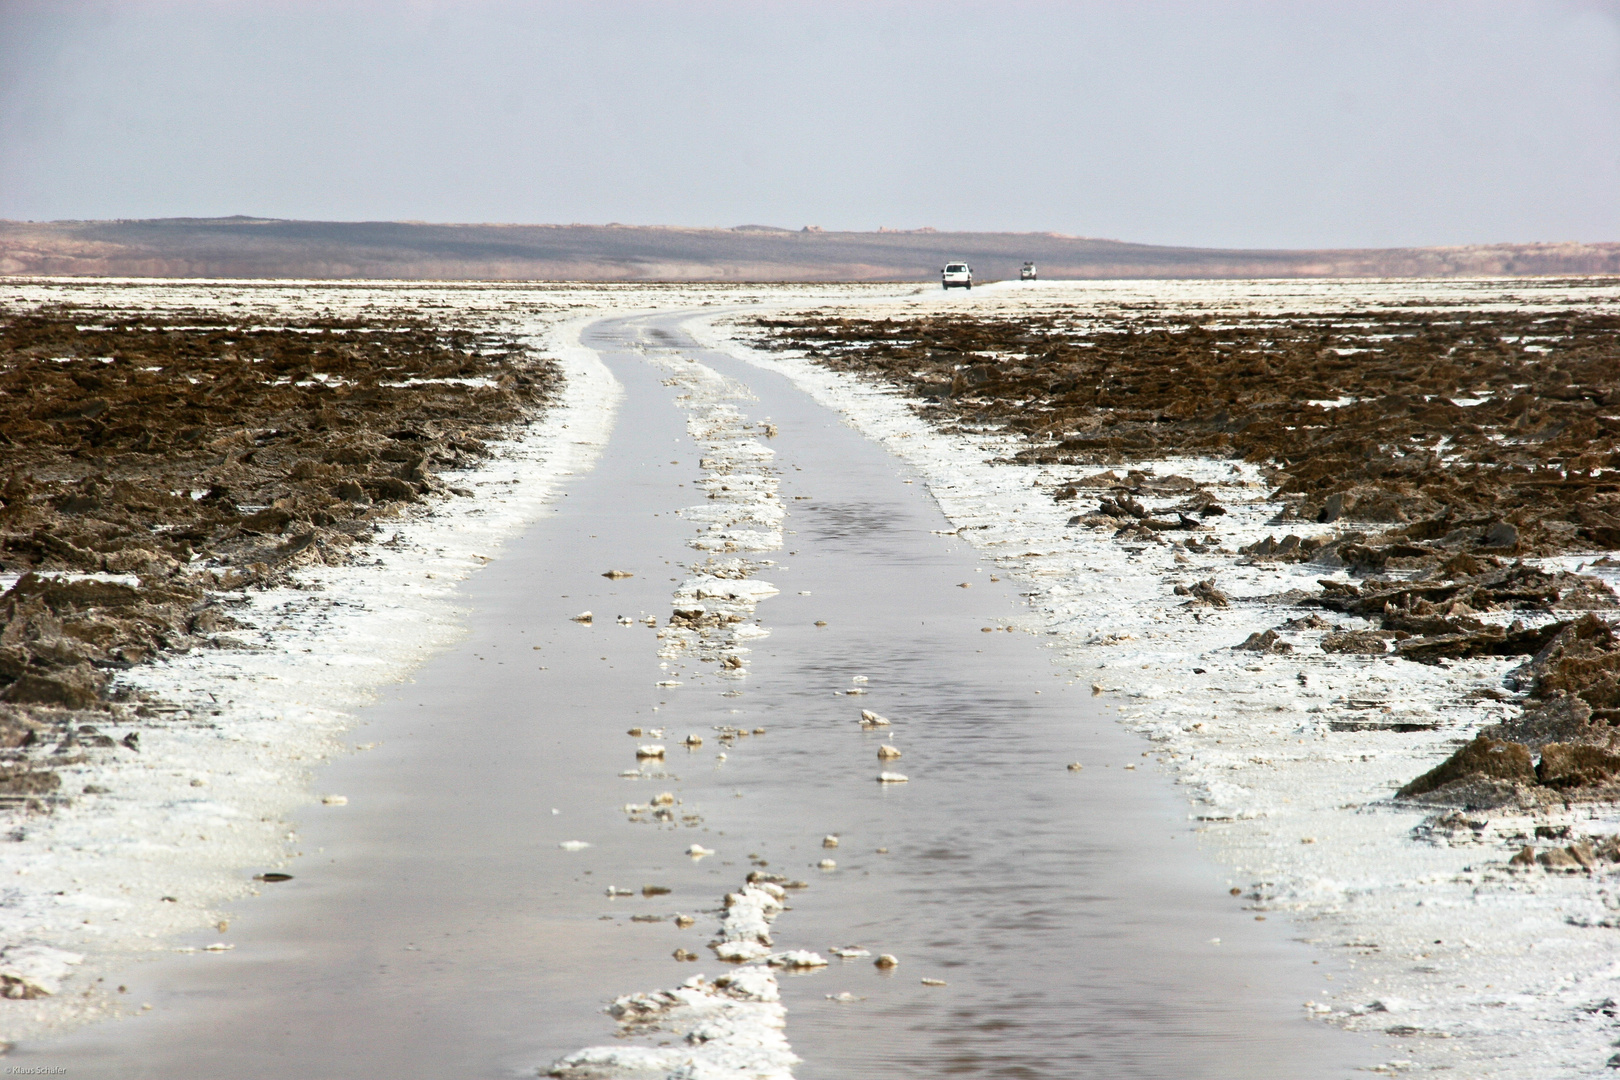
[970, 286]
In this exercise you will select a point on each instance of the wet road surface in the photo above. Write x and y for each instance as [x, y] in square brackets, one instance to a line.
[434, 928]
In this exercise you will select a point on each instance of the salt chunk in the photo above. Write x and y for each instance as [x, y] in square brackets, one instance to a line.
[892, 778]
[574, 845]
[738, 952]
[34, 971]
[336, 800]
[698, 851]
[872, 719]
[753, 983]
[796, 958]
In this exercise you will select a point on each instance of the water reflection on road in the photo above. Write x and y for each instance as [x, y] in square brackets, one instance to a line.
[442, 931]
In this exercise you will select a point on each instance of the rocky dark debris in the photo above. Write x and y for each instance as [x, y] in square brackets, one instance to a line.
[1265, 642]
[197, 455]
[1442, 424]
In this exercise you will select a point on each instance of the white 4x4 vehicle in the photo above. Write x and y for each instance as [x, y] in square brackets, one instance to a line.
[956, 274]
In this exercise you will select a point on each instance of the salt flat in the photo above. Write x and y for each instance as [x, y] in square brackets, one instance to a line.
[1441, 954]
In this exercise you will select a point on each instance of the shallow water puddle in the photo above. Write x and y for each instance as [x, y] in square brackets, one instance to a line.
[506, 864]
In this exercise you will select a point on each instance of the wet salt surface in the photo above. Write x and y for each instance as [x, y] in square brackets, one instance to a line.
[1070, 915]
[434, 926]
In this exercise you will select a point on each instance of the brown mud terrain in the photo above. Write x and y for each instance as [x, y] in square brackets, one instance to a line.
[1428, 453]
[151, 462]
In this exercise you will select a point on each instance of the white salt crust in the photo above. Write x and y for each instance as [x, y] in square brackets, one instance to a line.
[731, 1029]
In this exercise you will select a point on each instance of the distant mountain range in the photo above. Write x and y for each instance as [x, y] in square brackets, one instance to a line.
[244, 247]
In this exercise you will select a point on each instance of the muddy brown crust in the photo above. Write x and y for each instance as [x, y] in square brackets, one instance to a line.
[1353, 417]
[204, 456]
[1086, 391]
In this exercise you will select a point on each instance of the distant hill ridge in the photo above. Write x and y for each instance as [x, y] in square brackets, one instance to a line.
[247, 247]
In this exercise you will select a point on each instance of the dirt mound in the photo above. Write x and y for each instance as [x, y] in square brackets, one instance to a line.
[1564, 765]
[184, 457]
[1484, 758]
[1491, 772]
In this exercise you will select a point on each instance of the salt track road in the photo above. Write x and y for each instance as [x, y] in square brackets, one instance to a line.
[434, 927]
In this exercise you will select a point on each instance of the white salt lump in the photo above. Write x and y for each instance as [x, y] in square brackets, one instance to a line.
[34, 971]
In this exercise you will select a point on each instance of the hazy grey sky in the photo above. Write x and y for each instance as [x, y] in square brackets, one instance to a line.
[1247, 124]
